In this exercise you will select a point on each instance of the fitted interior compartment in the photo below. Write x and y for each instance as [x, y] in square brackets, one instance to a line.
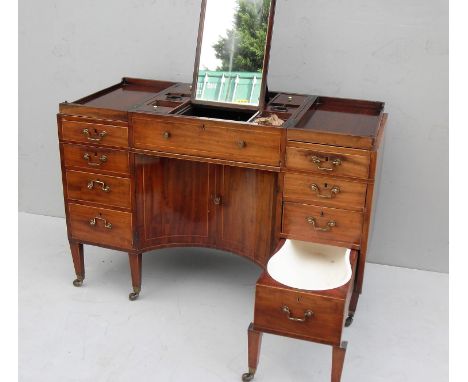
[343, 116]
[216, 113]
[268, 114]
[289, 99]
[162, 103]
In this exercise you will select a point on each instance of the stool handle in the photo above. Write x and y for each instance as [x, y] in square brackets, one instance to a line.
[307, 314]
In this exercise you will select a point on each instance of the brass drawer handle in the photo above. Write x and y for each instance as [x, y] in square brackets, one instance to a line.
[333, 191]
[318, 162]
[329, 226]
[96, 138]
[241, 144]
[166, 135]
[102, 159]
[307, 314]
[104, 187]
[93, 222]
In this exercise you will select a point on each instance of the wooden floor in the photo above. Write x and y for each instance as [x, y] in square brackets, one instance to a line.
[191, 320]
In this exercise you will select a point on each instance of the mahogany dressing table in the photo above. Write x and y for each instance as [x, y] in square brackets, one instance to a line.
[152, 164]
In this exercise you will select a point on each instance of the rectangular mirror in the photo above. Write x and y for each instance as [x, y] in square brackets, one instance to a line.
[233, 49]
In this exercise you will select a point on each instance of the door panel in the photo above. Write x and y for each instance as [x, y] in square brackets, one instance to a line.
[246, 214]
[174, 199]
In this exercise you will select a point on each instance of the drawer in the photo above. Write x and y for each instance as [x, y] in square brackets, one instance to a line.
[208, 140]
[315, 223]
[324, 190]
[93, 158]
[86, 132]
[102, 189]
[328, 160]
[100, 226]
[322, 317]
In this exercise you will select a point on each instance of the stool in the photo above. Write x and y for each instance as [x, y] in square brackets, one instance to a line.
[304, 294]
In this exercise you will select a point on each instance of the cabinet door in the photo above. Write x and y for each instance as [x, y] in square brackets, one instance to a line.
[174, 201]
[246, 215]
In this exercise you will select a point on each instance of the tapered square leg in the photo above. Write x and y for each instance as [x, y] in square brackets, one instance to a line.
[135, 260]
[255, 342]
[78, 262]
[338, 358]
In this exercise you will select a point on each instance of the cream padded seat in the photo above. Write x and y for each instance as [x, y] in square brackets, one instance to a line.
[310, 266]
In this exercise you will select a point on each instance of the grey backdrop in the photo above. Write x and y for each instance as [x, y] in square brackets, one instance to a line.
[394, 51]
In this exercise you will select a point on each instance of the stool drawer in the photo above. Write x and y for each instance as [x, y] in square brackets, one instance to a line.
[290, 312]
[102, 189]
[208, 140]
[93, 158]
[100, 226]
[328, 160]
[310, 223]
[86, 132]
[327, 191]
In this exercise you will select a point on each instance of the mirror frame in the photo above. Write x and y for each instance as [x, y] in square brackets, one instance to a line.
[266, 61]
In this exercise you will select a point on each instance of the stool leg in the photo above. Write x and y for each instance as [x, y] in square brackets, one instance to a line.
[135, 270]
[255, 342]
[338, 358]
[78, 262]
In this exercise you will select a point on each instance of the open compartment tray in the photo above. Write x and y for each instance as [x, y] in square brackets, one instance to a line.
[114, 102]
[339, 121]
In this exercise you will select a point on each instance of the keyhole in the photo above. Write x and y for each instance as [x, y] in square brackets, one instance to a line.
[95, 131]
[321, 213]
[298, 299]
[326, 185]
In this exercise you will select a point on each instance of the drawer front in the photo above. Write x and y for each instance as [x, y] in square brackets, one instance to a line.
[326, 191]
[208, 141]
[321, 317]
[100, 226]
[103, 189]
[106, 135]
[328, 161]
[309, 223]
[92, 158]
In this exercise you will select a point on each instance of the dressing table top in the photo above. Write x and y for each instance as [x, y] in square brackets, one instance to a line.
[313, 119]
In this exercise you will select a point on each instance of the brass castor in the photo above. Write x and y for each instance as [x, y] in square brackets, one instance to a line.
[349, 320]
[246, 377]
[78, 282]
[134, 295]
